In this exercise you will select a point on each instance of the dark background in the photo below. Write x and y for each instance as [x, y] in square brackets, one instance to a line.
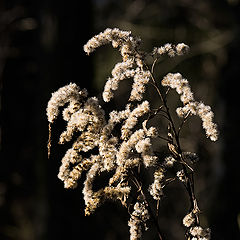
[41, 50]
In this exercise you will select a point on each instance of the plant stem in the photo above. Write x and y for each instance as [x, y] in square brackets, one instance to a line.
[190, 183]
[154, 219]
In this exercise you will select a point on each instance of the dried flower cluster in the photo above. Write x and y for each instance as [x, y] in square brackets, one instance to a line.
[195, 232]
[171, 50]
[137, 220]
[123, 152]
[175, 80]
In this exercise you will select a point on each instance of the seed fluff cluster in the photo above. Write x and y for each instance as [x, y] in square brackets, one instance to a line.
[130, 67]
[190, 106]
[121, 142]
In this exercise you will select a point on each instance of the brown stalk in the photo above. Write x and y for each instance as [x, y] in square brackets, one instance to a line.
[154, 219]
[189, 176]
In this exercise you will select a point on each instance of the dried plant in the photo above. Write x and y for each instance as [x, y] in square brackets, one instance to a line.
[126, 151]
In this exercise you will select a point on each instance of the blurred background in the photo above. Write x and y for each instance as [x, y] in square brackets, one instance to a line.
[41, 49]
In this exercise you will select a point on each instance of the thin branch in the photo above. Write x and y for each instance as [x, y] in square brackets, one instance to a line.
[187, 165]
[163, 116]
[153, 65]
[49, 139]
[163, 138]
[155, 221]
[182, 123]
[169, 180]
[190, 183]
[158, 204]
[166, 93]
